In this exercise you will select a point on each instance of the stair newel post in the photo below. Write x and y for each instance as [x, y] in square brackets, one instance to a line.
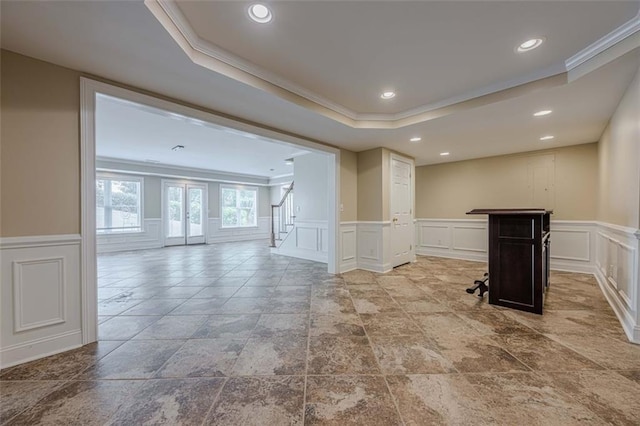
[273, 231]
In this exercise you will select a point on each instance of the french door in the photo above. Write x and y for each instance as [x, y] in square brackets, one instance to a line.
[184, 212]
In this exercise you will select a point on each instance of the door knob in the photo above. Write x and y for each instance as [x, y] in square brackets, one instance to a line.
[395, 219]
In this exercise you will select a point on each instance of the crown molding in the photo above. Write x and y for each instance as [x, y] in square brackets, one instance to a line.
[219, 60]
[614, 37]
[118, 165]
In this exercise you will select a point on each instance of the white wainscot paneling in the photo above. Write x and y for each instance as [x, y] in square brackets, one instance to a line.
[617, 273]
[217, 234]
[308, 239]
[454, 238]
[40, 297]
[572, 246]
[372, 253]
[150, 237]
[470, 238]
[348, 247]
[38, 293]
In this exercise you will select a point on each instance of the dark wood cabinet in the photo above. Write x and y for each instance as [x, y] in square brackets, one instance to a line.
[519, 242]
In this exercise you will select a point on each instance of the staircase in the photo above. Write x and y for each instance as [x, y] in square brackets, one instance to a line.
[282, 217]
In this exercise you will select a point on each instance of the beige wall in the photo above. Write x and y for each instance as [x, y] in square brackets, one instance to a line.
[348, 186]
[370, 176]
[619, 160]
[40, 166]
[448, 191]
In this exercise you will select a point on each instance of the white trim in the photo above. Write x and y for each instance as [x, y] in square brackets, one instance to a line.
[88, 258]
[149, 239]
[18, 302]
[40, 348]
[614, 37]
[159, 170]
[39, 241]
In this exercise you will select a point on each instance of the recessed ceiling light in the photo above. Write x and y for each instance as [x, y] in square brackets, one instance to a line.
[388, 95]
[547, 138]
[260, 13]
[444, 154]
[542, 113]
[416, 139]
[177, 148]
[530, 44]
[288, 161]
[152, 161]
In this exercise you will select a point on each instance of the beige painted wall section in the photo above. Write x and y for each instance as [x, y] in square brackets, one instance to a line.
[619, 159]
[348, 186]
[448, 191]
[370, 194]
[40, 166]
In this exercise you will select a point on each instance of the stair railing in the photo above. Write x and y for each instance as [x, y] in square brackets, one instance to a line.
[285, 215]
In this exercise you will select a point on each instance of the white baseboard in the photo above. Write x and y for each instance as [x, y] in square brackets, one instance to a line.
[40, 348]
[631, 329]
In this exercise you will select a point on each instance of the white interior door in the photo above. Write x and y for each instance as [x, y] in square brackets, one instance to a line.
[184, 208]
[401, 212]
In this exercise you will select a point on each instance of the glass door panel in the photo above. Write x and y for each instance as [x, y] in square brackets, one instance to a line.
[196, 209]
[174, 214]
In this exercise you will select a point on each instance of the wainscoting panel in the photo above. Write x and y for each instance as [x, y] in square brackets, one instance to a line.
[374, 253]
[149, 238]
[616, 269]
[348, 246]
[458, 239]
[217, 234]
[40, 305]
[308, 239]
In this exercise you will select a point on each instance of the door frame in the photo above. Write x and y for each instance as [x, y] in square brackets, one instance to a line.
[205, 206]
[412, 194]
[89, 89]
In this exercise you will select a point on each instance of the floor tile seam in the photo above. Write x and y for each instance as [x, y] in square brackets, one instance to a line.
[59, 386]
[249, 336]
[155, 372]
[428, 337]
[579, 352]
[213, 403]
[306, 364]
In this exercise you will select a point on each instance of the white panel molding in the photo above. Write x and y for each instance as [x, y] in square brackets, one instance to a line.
[348, 247]
[373, 251]
[22, 306]
[218, 234]
[40, 348]
[307, 240]
[464, 239]
[40, 297]
[149, 238]
[617, 259]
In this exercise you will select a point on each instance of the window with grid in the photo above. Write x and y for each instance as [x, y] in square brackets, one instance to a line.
[238, 206]
[118, 204]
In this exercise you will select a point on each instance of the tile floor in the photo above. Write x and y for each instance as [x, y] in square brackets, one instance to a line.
[231, 335]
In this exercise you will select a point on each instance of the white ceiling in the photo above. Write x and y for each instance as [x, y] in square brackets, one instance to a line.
[124, 42]
[135, 132]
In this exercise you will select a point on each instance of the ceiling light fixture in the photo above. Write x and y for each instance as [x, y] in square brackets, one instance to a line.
[530, 44]
[260, 13]
[388, 95]
[416, 139]
[288, 161]
[547, 138]
[444, 154]
[177, 148]
[542, 113]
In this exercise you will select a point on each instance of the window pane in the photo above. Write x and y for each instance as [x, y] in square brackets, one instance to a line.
[228, 197]
[195, 211]
[239, 207]
[118, 205]
[229, 216]
[175, 223]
